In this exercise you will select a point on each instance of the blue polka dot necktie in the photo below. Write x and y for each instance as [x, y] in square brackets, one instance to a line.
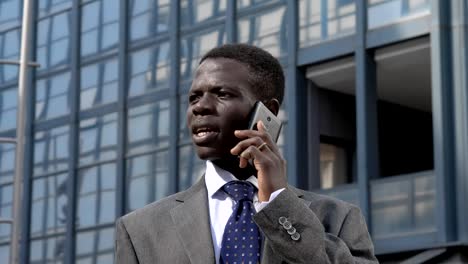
[241, 239]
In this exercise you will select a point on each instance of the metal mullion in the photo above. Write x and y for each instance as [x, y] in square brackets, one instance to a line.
[193, 30]
[149, 42]
[98, 111]
[296, 104]
[366, 113]
[174, 99]
[255, 10]
[75, 36]
[144, 153]
[96, 58]
[121, 181]
[442, 120]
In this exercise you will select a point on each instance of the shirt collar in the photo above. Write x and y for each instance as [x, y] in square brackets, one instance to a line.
[215, 178]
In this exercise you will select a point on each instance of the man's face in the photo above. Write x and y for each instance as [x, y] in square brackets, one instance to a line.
[220, 101]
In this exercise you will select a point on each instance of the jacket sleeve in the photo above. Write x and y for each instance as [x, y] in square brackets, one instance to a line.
[345, 240]
[124, 250]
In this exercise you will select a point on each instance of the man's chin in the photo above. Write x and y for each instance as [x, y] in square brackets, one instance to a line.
[205, 153]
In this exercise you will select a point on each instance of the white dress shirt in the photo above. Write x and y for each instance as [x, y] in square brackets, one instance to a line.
[221, 205]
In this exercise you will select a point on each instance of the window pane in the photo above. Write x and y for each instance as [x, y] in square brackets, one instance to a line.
[197, 11]
[149, 70]
[50, 250]
[53, 41]
[384, 12]
[320, 20]
[403, 205]
[99, 26]
[96, 202]
[267, 30]
[195, 46]
[4, 253]
[49, 205]
[148, 18]
[99, 84]
[10, 42]
[333, 166]
[242, 4]
[6, 202]
[148, 126]
[95, 246]
[98, 139]
[51, 150]
[10, 13]
[8, 102]
[53, 96]
[191, 168]
[148, 178]
[7, 162]
[52, 6]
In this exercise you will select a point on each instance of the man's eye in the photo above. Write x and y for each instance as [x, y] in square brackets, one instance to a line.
[193, 98]
[224, 94]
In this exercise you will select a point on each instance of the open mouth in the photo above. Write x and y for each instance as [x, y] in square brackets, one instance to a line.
[203, 135]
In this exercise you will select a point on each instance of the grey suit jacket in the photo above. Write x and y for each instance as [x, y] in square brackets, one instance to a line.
[176, 229]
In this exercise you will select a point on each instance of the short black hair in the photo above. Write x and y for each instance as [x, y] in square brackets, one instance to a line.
[266, 78]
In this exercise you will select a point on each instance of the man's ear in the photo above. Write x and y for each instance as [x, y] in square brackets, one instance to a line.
[273, 105]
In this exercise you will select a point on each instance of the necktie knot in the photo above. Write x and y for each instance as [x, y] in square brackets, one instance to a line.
[239, 190]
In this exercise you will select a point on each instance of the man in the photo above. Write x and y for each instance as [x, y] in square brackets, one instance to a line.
[271, 222]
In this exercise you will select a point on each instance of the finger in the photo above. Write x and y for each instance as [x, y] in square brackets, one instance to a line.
[244, 144]
[252, 152]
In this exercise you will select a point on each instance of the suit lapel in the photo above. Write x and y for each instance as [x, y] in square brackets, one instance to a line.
[191, 218]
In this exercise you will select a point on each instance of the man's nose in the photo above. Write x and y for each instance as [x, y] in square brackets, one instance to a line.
[205, 105]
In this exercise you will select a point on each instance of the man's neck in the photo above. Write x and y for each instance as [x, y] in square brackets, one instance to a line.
[232, 165]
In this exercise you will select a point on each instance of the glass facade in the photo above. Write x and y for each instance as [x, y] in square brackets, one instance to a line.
[108, 132]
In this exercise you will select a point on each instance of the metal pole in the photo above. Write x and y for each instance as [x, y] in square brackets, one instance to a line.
[20, 133]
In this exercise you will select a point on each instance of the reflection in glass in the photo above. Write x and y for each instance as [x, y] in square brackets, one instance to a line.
[51, 150]
[9, 50]
[333, 166]
[266, 30]
[10, 14]
[6, 203]
[46, 7]
[321, 20]
[149, 70]
[148, 179]
[98, 138]
[403, 205]
[384, 12]
[53, 41]
[193, 47]
[185, 135]
[148, 126]
[148, 18]
[99, 84]
[191, 168]
[99, 26]
[53, 96]
[49, 205]
[95, 246]
[241, 4]
[197, 11]
[4, 253]
[8, 101]
[49, 250]
[7, 163]
[96, 201]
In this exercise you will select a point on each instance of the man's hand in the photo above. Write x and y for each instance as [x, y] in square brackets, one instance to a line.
[270, 165]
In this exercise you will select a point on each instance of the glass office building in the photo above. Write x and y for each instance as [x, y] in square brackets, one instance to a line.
[375, 113]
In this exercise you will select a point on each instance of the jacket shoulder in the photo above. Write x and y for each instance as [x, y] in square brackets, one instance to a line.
[328, 209]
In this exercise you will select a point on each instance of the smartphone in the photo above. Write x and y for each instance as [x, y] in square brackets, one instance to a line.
[271, 121]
